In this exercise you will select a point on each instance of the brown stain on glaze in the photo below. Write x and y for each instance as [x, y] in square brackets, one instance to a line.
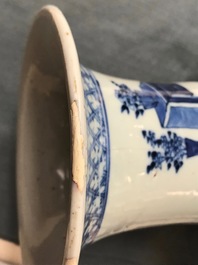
[78, 164]
[49, 81]
[71, 261]
[75, 85]
[155, 174]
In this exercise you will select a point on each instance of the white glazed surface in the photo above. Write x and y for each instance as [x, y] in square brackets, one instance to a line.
[137, 199]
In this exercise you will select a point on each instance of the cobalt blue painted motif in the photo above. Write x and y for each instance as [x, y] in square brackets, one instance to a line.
[175, 105]
[169, 149]
[98, 156]
[131, 100]
[176, 108]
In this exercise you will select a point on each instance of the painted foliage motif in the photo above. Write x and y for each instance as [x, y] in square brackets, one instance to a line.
[176, 107]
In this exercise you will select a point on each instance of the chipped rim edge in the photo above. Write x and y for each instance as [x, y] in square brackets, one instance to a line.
[78, 131]
[10, 252]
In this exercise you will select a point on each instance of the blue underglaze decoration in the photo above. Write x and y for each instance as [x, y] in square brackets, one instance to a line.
[130, 100]
[176, 107]
[169, 149]
[98, 156]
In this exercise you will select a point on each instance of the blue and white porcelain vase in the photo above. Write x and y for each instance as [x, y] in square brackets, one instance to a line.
[96, 154]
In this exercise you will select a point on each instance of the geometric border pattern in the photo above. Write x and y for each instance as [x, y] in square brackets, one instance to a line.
[98, 164]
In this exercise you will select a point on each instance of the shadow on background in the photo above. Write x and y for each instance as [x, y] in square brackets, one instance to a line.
[168, 245]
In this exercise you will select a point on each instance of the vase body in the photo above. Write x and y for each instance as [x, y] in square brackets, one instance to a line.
[142, 159]
[96, 154]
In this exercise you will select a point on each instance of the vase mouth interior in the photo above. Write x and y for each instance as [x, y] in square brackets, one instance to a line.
[44, 147]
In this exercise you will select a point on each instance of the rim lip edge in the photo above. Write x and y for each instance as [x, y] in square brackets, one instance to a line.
[75, 97]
